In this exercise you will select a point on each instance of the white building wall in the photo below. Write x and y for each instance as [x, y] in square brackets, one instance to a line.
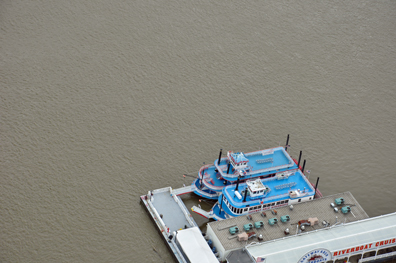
[216, 242]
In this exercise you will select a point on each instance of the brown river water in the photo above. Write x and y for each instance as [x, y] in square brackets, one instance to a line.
[102, 101]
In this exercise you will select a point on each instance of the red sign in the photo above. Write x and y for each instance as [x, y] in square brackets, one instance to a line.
[364, 247]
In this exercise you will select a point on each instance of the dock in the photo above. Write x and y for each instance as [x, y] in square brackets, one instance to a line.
[176, 225]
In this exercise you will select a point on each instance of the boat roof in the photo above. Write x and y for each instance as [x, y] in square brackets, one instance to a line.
[319, 208]
[194, 246]
[262, 163]
[279, 189]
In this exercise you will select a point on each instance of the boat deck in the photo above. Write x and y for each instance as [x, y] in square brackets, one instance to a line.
[319, 208]
[279, 188]
[262, 163]
[277, 158]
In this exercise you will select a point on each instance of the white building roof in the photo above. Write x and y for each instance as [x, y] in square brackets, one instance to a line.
[337, 238]
[194, 246]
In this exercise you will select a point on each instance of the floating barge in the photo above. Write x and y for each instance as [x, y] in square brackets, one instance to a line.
[176, 225]
[329, 229]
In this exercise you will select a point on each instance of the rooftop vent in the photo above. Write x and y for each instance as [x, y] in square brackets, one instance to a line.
[339, 201]
[272, 221]
[345, 209]
[285, 218]
[234, 230]
[258, 224]
[247, 227]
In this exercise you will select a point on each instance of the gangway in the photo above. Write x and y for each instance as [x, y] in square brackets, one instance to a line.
[183, 190]
[201, 212]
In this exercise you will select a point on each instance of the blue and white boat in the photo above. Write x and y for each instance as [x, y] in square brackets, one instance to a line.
[255, 195]
[225, 171]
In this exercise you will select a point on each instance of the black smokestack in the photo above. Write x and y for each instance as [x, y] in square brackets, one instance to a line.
[221, 150]
[287, 143]
[244, 198]
[236, 188]
[316, 186]
[299, 159]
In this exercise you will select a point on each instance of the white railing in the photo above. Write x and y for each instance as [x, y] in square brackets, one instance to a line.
[273, 168]
[203, 168]
[157, 217]
[205, 193]
[211, 186]
[161, 190]
[183, 190]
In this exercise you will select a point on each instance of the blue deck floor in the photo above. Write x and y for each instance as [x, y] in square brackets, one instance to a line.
[272, 183]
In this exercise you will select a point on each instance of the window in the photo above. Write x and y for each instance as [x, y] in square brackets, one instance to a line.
[299, 200]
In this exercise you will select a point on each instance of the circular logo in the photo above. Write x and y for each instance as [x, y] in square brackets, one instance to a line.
[316, 256]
